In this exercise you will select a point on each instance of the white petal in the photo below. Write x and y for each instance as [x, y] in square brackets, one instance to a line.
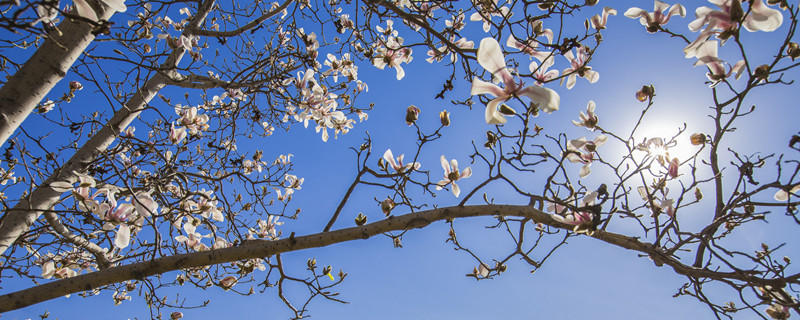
[762, 17]
[585, 171]
[116, 5]
[61, 186]
[455, 188]
[547, 99]
[83, 9]
[493, 116]
[490, 56]
[123, 236]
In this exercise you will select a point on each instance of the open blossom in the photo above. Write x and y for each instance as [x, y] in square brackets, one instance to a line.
[540, 73]
[707, 56]
[723, 23]
[397, 165]
[266, 229]
[177, 135]
[654, 20]
[487, 10]
[392, 54]
[582, 151]
[191, 238]
[451, 175]
[583, 221]
[599, 21]
[657, 206]
[491, 58]
[588, 119]
[578, 67]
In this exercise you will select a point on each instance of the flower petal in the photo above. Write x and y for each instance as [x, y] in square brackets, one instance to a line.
[762, 17]
[493, 116]
[123, 236]
[547, 99]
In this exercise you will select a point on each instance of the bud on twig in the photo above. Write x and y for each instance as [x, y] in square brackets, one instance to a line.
[444, 117]
[361, 219]
[412, 114]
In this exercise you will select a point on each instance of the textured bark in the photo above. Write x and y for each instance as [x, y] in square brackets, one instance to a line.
[264, 248]
[48, 65]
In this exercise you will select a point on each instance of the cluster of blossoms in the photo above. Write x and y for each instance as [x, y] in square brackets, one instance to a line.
[390, 52]
[64, 265]
[722, 23]
[317, 104]
[583, 220]
[265, 229]
[124, 215]
[291, 183]
[190, 122]
[491, 58]
[205, 206]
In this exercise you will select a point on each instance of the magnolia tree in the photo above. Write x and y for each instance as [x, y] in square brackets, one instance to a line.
[171, 177]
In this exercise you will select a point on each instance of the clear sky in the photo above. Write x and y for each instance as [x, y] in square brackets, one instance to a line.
[426, 278]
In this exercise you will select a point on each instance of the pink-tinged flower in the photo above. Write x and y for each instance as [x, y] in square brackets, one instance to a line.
[144, 204]
[578, 67]
[228, 282]
[266, 229]
[707, 56]
[540, 73]
[192, 238]
[657, 206]
[588, 119]
[582, 151]
[783, 194]
[177, 135]
[599, 21]
[723, 23]
[451, 175]
[490, 57]
[392, 55]
[760, 18]
[487, 10]
[583, 220]
[654, 20]
[398, 164]
[778, 312]
[673, 167]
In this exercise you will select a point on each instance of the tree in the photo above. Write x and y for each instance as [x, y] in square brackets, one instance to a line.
[134, 195]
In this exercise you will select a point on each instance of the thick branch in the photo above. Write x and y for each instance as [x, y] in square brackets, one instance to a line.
[260, 249]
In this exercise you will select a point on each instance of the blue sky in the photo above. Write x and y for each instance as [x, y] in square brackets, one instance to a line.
[425, 279]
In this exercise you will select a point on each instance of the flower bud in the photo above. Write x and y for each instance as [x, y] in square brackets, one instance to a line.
[698, 194]
[361, 219]
[176, 315]
[227, 282]
[761, 72]
[75, 85]
[506, 110]
[491, 140]
[646, 92]
[326, 270]
[592, 2]
[793, 50]
[311, 263]
[412, 114]
[698, 139]
[387, 206]
[444, 117]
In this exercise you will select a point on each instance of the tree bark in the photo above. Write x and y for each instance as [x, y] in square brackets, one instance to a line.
[48, 65]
